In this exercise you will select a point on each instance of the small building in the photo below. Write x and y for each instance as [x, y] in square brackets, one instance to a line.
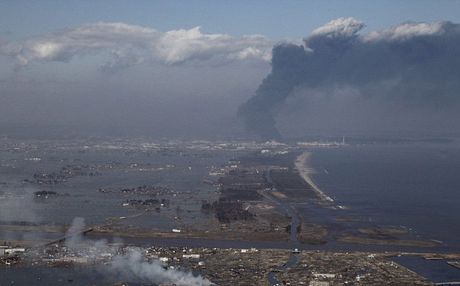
[13, 251]
[192, 256]
[164, 259]
[324, 275]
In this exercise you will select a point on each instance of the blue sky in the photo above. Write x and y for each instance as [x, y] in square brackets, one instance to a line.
[275, 19]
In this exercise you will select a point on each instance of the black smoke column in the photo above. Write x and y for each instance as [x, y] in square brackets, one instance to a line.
[288, 67]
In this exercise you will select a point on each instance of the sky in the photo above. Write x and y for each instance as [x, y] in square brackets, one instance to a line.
[166, 68]
[278, 20]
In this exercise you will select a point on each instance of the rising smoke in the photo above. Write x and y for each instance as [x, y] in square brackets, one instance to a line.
[133, 266]
[130, 266]
[19, 206]
[410, 72]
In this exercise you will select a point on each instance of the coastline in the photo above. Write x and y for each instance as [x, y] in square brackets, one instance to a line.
[305, 171]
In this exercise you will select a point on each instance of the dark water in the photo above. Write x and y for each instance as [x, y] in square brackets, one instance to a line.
[79, 196]
[100, 275]
[416, 186]
[46, 276]
[437, 271]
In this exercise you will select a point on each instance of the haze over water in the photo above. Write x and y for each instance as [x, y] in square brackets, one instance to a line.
[416, 185]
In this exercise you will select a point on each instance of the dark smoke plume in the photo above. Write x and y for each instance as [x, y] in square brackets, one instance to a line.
[416, 65]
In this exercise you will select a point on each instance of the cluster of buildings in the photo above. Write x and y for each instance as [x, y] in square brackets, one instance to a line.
[9, 254]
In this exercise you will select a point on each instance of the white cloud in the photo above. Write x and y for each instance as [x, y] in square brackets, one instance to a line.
[182, 45]
[130, 45]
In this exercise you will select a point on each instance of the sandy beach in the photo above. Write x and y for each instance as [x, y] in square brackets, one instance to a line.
[301, 164]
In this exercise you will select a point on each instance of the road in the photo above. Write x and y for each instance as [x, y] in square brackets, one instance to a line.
[289, 210]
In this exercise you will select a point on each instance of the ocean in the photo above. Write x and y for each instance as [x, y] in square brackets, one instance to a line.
[412, 185]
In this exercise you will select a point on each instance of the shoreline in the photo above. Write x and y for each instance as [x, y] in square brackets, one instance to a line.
[304, 171]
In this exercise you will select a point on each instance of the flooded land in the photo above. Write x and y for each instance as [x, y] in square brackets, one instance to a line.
[140, 212]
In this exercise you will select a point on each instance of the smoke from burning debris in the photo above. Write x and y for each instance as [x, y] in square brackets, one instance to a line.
[19, 206]
[404, 77]
[133, 266]
[130, 266]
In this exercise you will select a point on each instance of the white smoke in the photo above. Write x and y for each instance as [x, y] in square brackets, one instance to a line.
[73, 234]
[130, 266]
[407, 31]
[341, 27]
[18, 205]
[133, 266]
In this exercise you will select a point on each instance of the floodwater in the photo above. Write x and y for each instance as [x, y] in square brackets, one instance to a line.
[45, 276]
[416, 186]
[437, 271]
[184, 172]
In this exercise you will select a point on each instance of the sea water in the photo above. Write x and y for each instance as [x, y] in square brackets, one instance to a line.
[412, 185]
